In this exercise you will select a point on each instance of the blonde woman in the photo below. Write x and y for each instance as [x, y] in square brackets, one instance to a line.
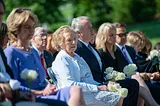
[21, 23]
[105, 44]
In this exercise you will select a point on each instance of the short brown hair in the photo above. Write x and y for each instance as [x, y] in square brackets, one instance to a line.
[119, 25]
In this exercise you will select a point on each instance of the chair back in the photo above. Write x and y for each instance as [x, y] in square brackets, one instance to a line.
[52, 75]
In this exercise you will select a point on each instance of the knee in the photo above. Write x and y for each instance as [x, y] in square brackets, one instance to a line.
[138, 78]
[76, 89]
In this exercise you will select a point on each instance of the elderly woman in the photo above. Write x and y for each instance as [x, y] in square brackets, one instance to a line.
[111, 57]
[71, 69]
[21, 23]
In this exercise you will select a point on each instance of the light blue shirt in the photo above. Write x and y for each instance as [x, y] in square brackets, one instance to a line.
[94, 53]
[73, 71]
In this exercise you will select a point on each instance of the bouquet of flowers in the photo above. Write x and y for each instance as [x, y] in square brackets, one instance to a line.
[153, 54]
[115, 87]
[130, 69]
[113, 75]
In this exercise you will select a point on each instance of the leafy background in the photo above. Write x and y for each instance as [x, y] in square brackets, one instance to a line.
[137, 14]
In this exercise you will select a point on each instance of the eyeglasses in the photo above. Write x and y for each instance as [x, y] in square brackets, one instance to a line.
[122, 34]
[20, 10]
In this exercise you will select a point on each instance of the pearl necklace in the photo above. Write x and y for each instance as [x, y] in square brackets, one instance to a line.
[23, 48]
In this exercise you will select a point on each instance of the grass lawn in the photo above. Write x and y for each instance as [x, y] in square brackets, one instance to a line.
[151, 29]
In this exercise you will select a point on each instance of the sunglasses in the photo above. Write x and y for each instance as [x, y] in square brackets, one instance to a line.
[20, 10]
[122, 34]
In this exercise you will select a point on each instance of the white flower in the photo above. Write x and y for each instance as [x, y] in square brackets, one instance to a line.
[153, 53]
[4, 77]
[114, 73]
[123, 92]
[108, 70]
[117, 86]
[130, 69]
[29, 75]
[120, 76]
[111, 86]
[14, 84]
[109, 76]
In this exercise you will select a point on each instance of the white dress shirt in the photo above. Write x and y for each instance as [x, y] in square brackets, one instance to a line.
[73, 71]
[94, 53]
[39, 53]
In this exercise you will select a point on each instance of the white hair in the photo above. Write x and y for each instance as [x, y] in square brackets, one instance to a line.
[76, 23]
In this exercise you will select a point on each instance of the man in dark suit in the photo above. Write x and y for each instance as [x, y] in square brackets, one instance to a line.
[83, 27]
[128, 55]
[39, 42]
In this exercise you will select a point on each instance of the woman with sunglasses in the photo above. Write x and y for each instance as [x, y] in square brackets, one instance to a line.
[21, 23]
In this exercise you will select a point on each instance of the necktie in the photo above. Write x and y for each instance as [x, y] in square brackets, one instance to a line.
[125, 54]
[96, 55]
[43, 64]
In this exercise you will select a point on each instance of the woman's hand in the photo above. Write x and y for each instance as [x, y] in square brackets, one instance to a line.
[102, 88]
[27, 95]
[50, 89]
[145, 76]
[155, 76]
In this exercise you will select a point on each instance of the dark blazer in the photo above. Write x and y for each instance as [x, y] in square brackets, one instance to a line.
[49, 58]
[130, 84]
[8, 69]
[146, 66]
[91, 60]
[121, 60]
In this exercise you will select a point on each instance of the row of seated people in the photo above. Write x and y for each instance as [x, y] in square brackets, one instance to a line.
[70, 68]
[109, 45]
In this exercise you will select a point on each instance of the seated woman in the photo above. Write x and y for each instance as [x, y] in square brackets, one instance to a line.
[71, 69]
[112, 57]
[20, 57]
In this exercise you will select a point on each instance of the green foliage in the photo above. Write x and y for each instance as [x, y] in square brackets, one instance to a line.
[54, 13]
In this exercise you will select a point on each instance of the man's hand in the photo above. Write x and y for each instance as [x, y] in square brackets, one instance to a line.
[50, 89]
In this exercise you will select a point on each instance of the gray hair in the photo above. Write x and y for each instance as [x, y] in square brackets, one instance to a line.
[39, 31]
[76, 23]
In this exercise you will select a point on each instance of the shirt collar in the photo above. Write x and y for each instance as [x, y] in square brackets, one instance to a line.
[120, 46]
[39, 52]
[83, 42]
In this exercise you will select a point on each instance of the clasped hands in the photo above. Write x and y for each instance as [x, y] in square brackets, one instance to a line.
[50, 89]
[150, 76]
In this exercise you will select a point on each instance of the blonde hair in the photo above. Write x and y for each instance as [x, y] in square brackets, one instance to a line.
[148, 46]
[101, 37]
[133, 39]
[16, 18]
[58, 36]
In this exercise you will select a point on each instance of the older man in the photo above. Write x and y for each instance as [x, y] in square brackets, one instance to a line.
[83, 27]
[39, 42]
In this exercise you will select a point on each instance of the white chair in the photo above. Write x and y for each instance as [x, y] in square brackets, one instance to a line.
[26, 103]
